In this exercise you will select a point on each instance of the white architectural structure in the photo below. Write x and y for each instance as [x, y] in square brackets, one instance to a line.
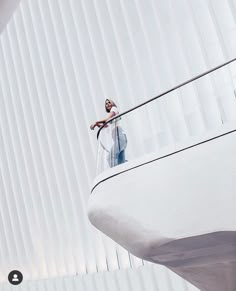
[59, 61]
[176, 209]
[7, 7]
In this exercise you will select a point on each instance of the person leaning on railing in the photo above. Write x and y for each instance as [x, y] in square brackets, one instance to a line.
[119, 141]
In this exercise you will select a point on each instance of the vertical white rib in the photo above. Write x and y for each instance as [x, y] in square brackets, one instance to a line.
[59, 61]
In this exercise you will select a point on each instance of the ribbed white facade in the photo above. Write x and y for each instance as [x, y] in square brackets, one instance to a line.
[148, 278]
[59, 61]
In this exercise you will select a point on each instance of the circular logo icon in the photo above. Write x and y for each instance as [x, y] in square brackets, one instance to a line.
[15, 277]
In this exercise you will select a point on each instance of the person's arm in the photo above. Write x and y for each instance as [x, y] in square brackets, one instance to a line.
[102, 121]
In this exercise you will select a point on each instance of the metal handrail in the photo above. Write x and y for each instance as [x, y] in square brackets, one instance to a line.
[166, 92]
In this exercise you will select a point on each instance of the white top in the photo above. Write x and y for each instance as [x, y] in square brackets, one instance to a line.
[106, 138]
[116, 122]
[115, 110]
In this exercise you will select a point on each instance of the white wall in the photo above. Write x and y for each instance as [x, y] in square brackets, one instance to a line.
[59, 60]
[7, 7]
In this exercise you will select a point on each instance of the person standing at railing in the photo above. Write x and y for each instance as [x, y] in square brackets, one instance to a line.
[119, 141]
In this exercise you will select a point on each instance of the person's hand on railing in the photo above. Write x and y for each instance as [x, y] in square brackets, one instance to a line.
[111, 109]
[92, 126]
[97, 123]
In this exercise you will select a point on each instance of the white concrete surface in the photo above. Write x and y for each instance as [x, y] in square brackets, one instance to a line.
[178, 211]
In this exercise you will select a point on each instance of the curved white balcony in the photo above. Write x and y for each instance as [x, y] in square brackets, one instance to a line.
[175, 204]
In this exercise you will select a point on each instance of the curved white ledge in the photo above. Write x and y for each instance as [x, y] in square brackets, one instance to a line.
[7, 7]
[178, 211]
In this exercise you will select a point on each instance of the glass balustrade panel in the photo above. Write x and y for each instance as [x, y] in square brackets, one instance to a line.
[202, 105]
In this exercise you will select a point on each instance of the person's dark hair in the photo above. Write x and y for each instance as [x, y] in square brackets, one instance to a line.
[112, 103]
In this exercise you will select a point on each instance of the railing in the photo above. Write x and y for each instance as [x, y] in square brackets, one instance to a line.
[188, 110]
